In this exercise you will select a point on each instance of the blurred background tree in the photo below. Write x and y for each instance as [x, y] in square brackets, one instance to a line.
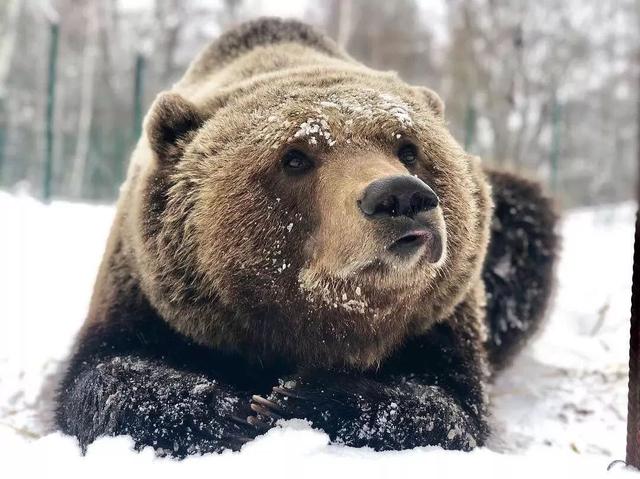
[548, 88]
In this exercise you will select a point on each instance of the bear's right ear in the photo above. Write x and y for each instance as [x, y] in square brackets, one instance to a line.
[171, 120]
[432, 99]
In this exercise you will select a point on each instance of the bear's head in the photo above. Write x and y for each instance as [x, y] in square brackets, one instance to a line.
[321, 217]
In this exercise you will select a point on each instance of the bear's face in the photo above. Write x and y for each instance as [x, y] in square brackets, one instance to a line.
[323, 219]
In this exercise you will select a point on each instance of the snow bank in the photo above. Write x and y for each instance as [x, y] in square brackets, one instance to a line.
[560, 409]
[296, 451]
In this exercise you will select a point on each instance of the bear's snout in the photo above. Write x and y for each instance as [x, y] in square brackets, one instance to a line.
[398, 195]
[400, 204]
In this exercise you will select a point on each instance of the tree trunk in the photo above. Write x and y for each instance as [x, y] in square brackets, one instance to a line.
[344, 23]
[8, 44]
[90, 54]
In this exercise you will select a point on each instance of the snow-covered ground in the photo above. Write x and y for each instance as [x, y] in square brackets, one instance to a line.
[560, 409]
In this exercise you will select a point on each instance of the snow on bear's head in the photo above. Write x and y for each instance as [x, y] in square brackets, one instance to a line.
[321, 216]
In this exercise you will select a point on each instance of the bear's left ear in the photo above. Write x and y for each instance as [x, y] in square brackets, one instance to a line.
[171, 121]
[432, 99]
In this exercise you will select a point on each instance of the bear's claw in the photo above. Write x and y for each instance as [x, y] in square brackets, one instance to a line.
[267, 408]
[287, 392]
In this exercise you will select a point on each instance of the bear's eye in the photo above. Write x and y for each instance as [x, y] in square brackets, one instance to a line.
[408, 154]
[296, 161]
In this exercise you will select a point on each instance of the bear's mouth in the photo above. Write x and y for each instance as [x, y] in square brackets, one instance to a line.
[412, 242]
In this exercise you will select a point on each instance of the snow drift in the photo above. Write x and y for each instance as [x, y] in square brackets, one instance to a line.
[559, 409]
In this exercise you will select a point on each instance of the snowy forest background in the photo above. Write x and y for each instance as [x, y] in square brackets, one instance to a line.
[547, 87]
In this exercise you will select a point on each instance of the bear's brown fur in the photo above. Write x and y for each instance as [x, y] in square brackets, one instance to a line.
[215, 239]
[237, 256]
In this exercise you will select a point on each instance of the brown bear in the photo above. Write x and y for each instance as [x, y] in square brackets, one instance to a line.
[299, 236]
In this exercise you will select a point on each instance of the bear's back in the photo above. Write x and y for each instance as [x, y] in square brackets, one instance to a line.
[263, 32]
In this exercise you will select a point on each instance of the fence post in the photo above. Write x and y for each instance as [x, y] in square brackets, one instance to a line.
[3, 133]
[554, 154]
[469, 127]
[54, 29]
[138, 93]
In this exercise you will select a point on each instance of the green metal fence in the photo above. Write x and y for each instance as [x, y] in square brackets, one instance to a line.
[54, 29]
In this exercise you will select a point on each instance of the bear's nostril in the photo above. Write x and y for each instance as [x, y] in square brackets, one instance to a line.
[421, 202]
[390, 205]
[416, 202]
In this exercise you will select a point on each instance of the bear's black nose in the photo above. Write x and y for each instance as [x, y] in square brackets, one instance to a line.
[400, 195]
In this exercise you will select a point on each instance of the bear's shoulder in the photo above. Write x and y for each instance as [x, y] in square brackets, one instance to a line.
[261, 32]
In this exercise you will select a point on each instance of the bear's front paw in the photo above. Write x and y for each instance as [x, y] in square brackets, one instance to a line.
[237, 431]
[361, 412]
[328, 402]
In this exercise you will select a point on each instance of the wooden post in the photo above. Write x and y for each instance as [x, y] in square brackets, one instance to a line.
[633, 419]
[633, 406]
[54, 29]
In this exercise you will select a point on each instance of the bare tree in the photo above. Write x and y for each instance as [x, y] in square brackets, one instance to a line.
[344, 22]
[8, 44]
